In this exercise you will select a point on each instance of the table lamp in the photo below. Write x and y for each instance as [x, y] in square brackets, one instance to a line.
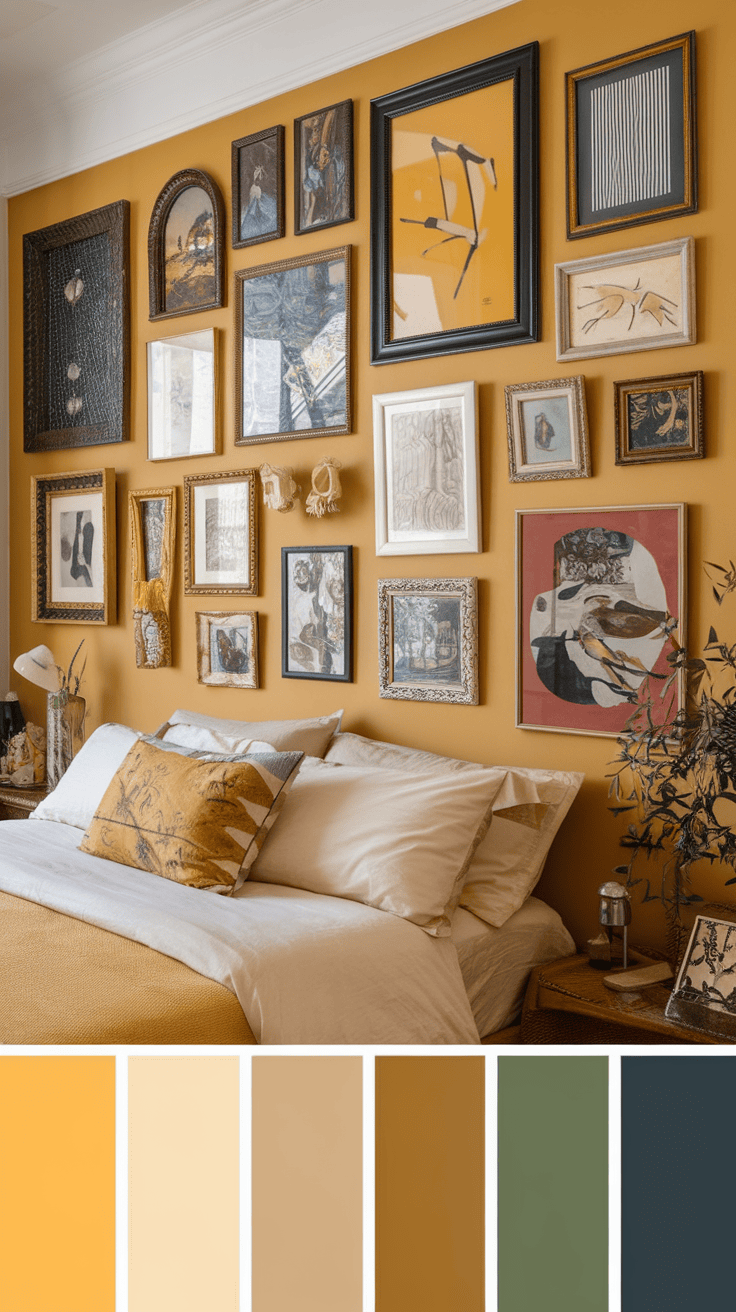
[64, 711]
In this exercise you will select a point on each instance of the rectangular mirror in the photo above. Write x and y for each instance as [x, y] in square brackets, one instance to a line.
[181, 396]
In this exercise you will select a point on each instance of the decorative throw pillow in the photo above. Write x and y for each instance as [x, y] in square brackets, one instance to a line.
[197, 818]
[80, 790]
[309, 736]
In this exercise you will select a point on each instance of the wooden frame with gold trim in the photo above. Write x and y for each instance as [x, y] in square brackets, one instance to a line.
[45, 488]
[248, 585]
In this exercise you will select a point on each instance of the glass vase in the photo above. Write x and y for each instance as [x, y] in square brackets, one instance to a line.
[64, 733]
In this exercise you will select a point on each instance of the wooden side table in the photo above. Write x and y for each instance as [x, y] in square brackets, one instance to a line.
[567, 1002]
[17, 803]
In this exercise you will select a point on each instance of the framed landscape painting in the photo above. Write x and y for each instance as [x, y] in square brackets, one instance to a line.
[258, 187]
[185, 247]
[73, 547]
[547, 427]
[659, 419]
[599, 592]
[220, 537]
[227, 648]
[323, 168]
[317, 613]
[428, 640]
[454, 211]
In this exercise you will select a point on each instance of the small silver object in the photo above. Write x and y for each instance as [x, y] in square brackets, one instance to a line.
[615, 910]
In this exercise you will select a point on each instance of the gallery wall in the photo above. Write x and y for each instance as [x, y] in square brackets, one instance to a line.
[570, 36]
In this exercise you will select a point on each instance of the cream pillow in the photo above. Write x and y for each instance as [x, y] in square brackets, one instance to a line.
[80, 790]
[528, 810]
[398, 843]
[309, 736]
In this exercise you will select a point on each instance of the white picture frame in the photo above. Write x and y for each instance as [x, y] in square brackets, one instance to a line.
[634, 300]
[547, 429]
[413, 515]
[182, 395]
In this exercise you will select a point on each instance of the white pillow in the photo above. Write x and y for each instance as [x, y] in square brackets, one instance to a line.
[309, 736]
[80, 790]
[398, 843]
[528, 810]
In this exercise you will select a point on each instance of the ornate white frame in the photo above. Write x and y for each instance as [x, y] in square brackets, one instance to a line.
[578, 466]
[466, 590]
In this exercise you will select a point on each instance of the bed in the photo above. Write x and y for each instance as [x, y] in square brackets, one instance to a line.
[98, 952]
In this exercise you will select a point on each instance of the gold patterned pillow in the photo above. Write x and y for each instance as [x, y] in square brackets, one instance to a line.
[198, 818]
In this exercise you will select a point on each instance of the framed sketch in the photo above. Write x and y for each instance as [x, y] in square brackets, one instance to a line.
[425, 445]
[659, 419]
[455, 211]
[220, 539]
[704, 996]
[258, 187]
[637, 300]
[428, 640]
[292, 365]
[185, 247]
[182, 395]
[227, 648]
[73, 547]
[323, 168]
[153, 531]
[547, 427]
[76, 309]
[631, 146]
[317, 613]
[599, 591]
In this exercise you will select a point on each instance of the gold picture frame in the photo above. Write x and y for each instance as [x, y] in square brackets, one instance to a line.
[227, 648]
[547, 430]
[659, 419]
[73, 564]
[221, 534]
[153, 531]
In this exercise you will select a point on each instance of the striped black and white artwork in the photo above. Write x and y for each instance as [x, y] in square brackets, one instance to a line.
[630, 140]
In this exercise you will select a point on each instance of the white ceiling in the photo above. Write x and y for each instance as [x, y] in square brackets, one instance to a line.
[82, 81]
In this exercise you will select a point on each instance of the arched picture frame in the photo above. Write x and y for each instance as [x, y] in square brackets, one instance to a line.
[185, 247]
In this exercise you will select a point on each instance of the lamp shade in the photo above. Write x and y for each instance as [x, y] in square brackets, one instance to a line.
[39, 666]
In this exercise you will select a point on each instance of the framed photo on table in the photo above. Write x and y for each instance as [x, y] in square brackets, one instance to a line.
[73, 548]
[220, 533]
[185, 247]
[425, 445]
[317, 613]
[258, 187]
[227, 648]
[182, 395]
[547, 426]
[323, 168]
[659, 419]
[631, 141]
[455, 211]
[428, 640]
[599, 591]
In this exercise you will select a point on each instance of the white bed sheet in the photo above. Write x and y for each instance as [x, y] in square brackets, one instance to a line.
[496, 963]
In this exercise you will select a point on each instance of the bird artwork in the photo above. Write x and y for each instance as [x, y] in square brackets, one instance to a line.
[610, 299]
[603, 619]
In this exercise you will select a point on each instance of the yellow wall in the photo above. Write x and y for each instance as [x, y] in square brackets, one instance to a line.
[571, 34]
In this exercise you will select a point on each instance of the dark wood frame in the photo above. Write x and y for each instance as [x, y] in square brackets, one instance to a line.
[43, 609]
[522, 66]
[695, 450]
[347, 552]
[347, 107]
[156, 234]
[689, 204]
[114, 220]
[220, 589]
[237, 146]
[280, 266]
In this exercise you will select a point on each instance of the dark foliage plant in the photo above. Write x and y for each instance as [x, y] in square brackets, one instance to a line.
[675, 775]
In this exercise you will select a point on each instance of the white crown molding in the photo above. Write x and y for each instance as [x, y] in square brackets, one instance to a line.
[207, 60]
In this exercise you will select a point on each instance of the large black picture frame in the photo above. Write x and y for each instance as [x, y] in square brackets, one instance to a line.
[521, 67]
[76, 331]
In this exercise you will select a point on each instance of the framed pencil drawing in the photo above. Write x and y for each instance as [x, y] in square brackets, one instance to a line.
[454, 211]
[73, 547]
[292, 334]
[323, 168]
[659, 419]
[182, 395]
[227, 648]
[185, 247]
[220, 537]
[631, 141]
[547, 427]
[317, 613]
[425, 445]
[258, 187]
[637, 300]
[599, 592]
[153, 531]
[428, 640]
[76, 331]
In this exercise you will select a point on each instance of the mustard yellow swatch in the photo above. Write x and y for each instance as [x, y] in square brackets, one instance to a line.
[57, 1184]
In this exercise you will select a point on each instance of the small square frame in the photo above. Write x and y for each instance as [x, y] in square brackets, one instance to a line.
[522, 469]
[258, 145]
[316, 617]
[242, 580]
[49, 492]
[234, 678]
[460, 645]
[668, 420]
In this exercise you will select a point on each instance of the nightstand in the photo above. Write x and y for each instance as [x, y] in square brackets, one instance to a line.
[17, 803]
[567, 1002]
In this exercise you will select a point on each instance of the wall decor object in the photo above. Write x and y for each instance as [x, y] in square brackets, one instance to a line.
[292, 363]
[186, 247]
[455, 211]
[428, 640]
[317, 613]
[631, 142]
[153, 530]
[323, 168]
[659, 419]
[220, 533]
[425, 450]
[279, 488]
[638, 300]
[182, 395]
[73, 547]
[227, 648]
[326, 489]
[598, 593]
[76, 309]
[704, 996]
[547, 428]
[258, 187]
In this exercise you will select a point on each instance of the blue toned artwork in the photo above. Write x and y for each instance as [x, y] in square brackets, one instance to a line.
[546, 430]
[427, 640]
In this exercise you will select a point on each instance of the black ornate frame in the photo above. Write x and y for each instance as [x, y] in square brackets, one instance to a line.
[43, 488]
[521, 65]
[242, 144]
[347, 553]
[113, 336]
[156, 235]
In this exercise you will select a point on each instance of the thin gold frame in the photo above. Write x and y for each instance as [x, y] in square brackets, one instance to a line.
[204, 620]
[249, 588]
